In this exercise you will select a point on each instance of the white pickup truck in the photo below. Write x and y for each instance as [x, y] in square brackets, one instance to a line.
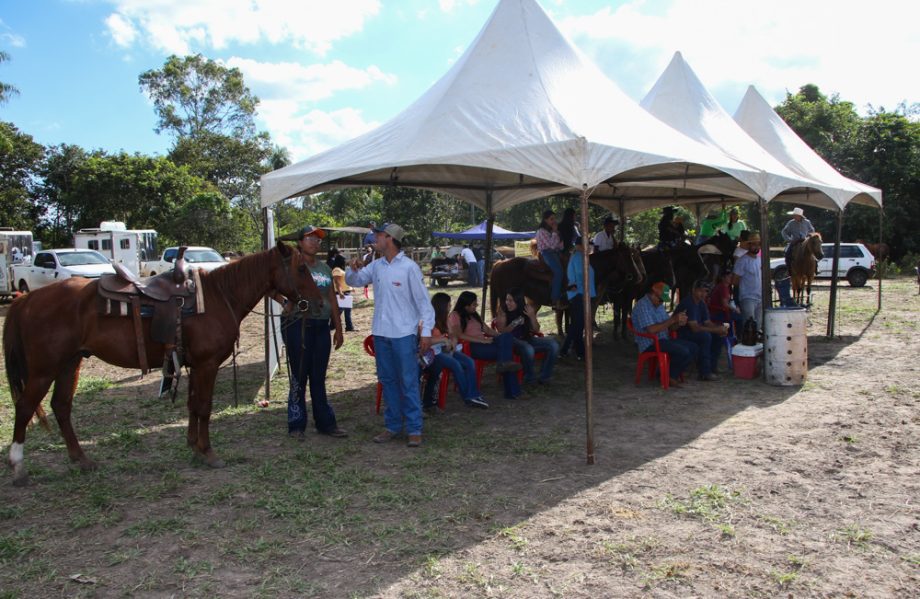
[50, 266]
[195, 257]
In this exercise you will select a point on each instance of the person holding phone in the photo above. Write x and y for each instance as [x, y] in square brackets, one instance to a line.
[519, 318]
[650, 316]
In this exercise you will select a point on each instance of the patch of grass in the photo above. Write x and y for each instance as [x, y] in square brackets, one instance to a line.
[849, 439]
[674, 571]
[11, 512]
[16, 545]
[727, 530]
[913, 559]
[89, 387]
[190, 569]
[431, 568]
[513, 534]
[120, 556]
[626, 554]
[854, 536]
[784, 579]
[155, 527]
[777, 524]
[707, 502]
[123, 440]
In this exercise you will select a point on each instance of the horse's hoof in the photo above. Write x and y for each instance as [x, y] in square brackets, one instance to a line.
[87, 465]
[215, 462]
[20, 476]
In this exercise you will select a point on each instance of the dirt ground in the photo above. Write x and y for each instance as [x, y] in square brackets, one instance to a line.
[728, 489]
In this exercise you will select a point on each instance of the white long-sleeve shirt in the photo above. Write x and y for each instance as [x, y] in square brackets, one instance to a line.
[400, 297]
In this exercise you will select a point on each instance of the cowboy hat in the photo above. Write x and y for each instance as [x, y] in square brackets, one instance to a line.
[796, 212]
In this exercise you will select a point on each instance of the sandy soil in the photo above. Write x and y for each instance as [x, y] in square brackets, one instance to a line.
[734, 488]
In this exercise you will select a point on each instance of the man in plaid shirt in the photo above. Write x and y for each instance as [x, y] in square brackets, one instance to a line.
[650, 316]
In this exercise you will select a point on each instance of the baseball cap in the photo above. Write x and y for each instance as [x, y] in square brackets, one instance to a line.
[391, 229]
[663, 290]
[303, 232]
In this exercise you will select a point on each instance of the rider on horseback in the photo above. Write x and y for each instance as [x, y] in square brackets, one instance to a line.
[795, 232]
[549, 245]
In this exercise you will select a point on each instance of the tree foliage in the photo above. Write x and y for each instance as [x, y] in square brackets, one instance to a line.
[195, 96]
[7, 90]
[20, 158]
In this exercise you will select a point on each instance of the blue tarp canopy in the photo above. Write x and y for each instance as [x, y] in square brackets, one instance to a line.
[479, 233]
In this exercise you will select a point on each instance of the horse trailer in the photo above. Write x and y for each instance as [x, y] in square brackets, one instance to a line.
[129, 247]
[16, 248]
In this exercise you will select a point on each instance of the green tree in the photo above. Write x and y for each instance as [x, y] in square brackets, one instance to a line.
[56, 192]
[20, 160]
[194, 96]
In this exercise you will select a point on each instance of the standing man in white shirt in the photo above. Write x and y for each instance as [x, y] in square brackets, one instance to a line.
[472, 272]
[747, 276]
[401, 302]
[605, 239]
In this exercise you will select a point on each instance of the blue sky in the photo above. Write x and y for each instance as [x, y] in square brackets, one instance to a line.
[329, 70]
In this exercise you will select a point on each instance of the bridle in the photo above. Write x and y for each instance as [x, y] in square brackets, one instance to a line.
[301, 303]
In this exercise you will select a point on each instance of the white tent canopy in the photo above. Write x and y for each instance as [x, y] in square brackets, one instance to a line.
[679, 99]
[522, 115]
[768, 129]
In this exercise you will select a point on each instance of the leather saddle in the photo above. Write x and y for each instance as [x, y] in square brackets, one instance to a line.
[163, 298]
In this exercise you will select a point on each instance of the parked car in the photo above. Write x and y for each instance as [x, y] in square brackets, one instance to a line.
[857, 265]
[196, 256]
[450, 267]
[50, 266]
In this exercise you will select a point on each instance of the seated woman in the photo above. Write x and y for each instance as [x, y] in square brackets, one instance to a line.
[465, 325]
[722, 307]
[451, 358]
[520, 319]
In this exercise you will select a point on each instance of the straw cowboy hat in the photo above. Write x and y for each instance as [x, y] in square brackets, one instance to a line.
[796, 212]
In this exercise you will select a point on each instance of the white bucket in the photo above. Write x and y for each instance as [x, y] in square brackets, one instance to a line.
[786, 346]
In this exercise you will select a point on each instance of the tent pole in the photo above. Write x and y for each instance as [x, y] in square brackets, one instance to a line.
[589, 329]
[267, 308]
[622, 221]
[878, 266]
[766, 290]
[835, 268]
[487, 271]
[699, 221]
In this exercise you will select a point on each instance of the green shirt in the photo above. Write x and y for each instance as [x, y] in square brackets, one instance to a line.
[322, 276]
[734, 231]
[710, 225]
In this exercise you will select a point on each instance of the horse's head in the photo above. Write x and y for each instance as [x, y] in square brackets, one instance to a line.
[291, 277]
[629, 264]
[814, 245]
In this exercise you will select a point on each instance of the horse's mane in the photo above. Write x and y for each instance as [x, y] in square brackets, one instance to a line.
[242, 276]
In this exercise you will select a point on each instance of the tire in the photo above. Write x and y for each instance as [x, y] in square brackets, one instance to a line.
[151, 274]
[780, 272]
[442, 282]
[23, 286]
[857, 277]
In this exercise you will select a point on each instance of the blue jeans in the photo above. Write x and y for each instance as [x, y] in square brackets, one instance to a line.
[552, 259]
[308, 358]
[346, 314]
[472, 273]
[709, 347]
[681, 354]
[575, 336]
[501, 350]
[481, 265]
[461, 366]
[397, 371]
[528, 349]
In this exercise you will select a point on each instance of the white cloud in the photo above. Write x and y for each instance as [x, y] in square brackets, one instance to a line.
[308, 132]
[450, 5]
[289, 93]
[179, 26]
[843, 46]
[9, 37]
[122, 31]
[306, 83]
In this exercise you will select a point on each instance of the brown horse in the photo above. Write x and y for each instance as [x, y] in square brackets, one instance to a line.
[611, 267]
[805, 257]
[50, 330]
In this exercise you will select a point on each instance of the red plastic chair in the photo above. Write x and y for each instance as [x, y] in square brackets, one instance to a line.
[655, 359]
[442, 387]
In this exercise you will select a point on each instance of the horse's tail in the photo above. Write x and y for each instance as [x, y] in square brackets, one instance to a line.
[14, 357]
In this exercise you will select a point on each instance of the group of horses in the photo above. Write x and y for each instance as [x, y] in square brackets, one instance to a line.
[622, 275]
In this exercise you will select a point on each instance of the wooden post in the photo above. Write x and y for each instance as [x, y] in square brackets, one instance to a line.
[835, 268]
[622, 221]
[267, 225]
[589, 330]
[487, 271]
